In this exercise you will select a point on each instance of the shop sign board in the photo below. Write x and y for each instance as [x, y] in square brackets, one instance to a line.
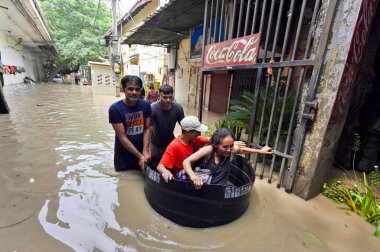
[233, 52]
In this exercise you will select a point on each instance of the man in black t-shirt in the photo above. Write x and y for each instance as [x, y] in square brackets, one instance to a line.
[165, 114]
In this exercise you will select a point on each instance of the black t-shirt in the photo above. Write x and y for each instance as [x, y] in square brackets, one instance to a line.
[163, 122]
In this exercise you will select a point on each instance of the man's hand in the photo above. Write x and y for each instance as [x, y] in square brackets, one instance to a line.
[198, 183]
[167, 175]
[142, 164]
[147, 155]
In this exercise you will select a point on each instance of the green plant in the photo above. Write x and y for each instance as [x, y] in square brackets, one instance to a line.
[234, 126]
[241, 110]
[364, 203]
[355, 148]
[209, 132]
[374, 176]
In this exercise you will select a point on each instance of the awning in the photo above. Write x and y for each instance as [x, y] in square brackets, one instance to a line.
[169, 24]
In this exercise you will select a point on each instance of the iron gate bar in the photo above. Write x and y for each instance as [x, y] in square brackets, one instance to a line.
[216, 21]
[279, 17]
[226, 21]
[299, 87]
[257, 3]
[208, 33]
[240, 17]
[221, 20]
[247, 17]
[231, 35]
[269, 29]
[314, 81]
[262, 17]
[279, 127]
[202, 74]
[292, 63]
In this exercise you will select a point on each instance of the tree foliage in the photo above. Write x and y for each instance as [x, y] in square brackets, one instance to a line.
[78, 28]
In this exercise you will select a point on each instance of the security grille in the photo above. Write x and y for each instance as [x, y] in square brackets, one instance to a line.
[290, 32]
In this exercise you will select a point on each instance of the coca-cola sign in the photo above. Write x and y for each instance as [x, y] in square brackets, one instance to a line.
[234, 52]
[359, 39]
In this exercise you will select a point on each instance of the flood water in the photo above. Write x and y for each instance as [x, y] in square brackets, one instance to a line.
[59, 191]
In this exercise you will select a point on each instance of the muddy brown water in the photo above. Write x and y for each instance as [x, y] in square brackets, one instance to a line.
[59, 191]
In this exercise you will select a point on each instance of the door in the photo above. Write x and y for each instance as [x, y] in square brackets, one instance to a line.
[219, 92]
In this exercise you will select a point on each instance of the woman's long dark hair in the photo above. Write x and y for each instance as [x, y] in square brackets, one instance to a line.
[219, 135]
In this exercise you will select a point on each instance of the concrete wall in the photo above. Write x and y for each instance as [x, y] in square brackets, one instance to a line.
[322, 138]
[17, 55]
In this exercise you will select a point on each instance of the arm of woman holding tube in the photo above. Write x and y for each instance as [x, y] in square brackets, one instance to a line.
[203, 152]
[266, 150]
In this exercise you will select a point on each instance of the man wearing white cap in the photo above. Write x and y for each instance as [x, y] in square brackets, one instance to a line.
[182, 147]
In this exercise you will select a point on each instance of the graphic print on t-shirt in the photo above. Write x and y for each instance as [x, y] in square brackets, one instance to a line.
[135, 123]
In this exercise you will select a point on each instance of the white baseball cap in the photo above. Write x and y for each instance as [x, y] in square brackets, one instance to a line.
[193, 123]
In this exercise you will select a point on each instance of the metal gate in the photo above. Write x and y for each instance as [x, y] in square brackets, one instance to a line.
[290, 32]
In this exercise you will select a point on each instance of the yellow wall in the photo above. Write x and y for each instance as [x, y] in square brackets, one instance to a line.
[144, 13]
[185, 86]
[182, 69]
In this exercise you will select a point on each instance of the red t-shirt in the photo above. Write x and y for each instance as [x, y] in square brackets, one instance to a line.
[177, 152]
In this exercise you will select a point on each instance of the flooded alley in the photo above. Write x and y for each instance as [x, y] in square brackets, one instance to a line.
[59, 191]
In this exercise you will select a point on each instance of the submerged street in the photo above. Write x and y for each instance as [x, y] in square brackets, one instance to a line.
[59, 191]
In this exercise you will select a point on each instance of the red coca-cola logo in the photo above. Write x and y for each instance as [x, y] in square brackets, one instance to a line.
[234, 52]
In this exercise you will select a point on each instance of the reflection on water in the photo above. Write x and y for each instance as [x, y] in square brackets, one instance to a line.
[65, 136]
[58, 187]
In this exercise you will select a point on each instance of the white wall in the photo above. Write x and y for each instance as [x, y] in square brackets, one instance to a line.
[103, 81]
[17, 55]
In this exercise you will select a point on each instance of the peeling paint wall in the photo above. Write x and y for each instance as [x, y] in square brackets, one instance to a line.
[322, 138]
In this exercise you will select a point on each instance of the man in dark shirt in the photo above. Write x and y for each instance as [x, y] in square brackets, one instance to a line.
[130, 118]
[165, 114]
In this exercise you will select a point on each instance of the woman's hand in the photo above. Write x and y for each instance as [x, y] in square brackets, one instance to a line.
[266, 150]
[239, 145]
[198, 183]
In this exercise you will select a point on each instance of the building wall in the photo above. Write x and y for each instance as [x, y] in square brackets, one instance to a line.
[182, 72]
[151, 59]
[17, 55]
[103, 82]
[187, 76]
[139, 17]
